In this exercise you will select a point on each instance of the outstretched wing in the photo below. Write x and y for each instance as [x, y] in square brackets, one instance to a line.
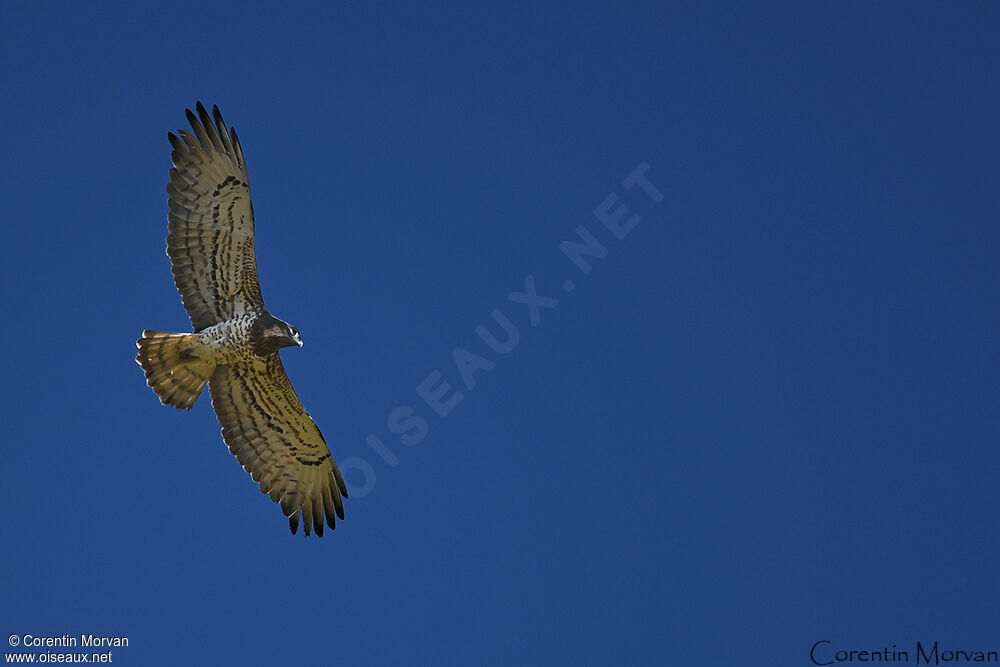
[277, 441]
[210, 243]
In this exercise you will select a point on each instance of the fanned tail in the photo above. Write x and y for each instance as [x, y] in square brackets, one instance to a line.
[176, 366]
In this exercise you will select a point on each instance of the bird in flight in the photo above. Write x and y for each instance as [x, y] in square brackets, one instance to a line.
[235, 343]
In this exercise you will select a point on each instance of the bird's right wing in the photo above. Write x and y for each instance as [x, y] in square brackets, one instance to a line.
[211, 239]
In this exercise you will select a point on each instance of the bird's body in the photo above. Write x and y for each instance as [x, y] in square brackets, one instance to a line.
[235, 343]
[237, 340]
[230, 341]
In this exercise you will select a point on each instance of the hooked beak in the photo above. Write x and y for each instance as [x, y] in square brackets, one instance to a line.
[298, 339]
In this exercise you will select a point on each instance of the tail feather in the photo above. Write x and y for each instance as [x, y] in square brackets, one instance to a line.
[173, 366]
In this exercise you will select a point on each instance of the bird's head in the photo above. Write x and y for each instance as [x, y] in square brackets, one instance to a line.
[269, 334]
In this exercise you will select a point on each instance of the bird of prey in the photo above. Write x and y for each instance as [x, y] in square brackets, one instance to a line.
[234, 347]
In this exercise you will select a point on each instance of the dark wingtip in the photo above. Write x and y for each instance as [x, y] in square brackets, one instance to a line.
[203, 115]
[176, 143]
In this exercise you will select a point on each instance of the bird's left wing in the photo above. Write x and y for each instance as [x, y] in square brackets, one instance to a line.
[277, 442]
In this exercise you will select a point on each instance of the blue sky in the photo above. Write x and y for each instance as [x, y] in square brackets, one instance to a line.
[766, 418]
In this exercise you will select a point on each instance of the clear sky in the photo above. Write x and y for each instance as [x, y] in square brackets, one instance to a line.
[767, 416]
